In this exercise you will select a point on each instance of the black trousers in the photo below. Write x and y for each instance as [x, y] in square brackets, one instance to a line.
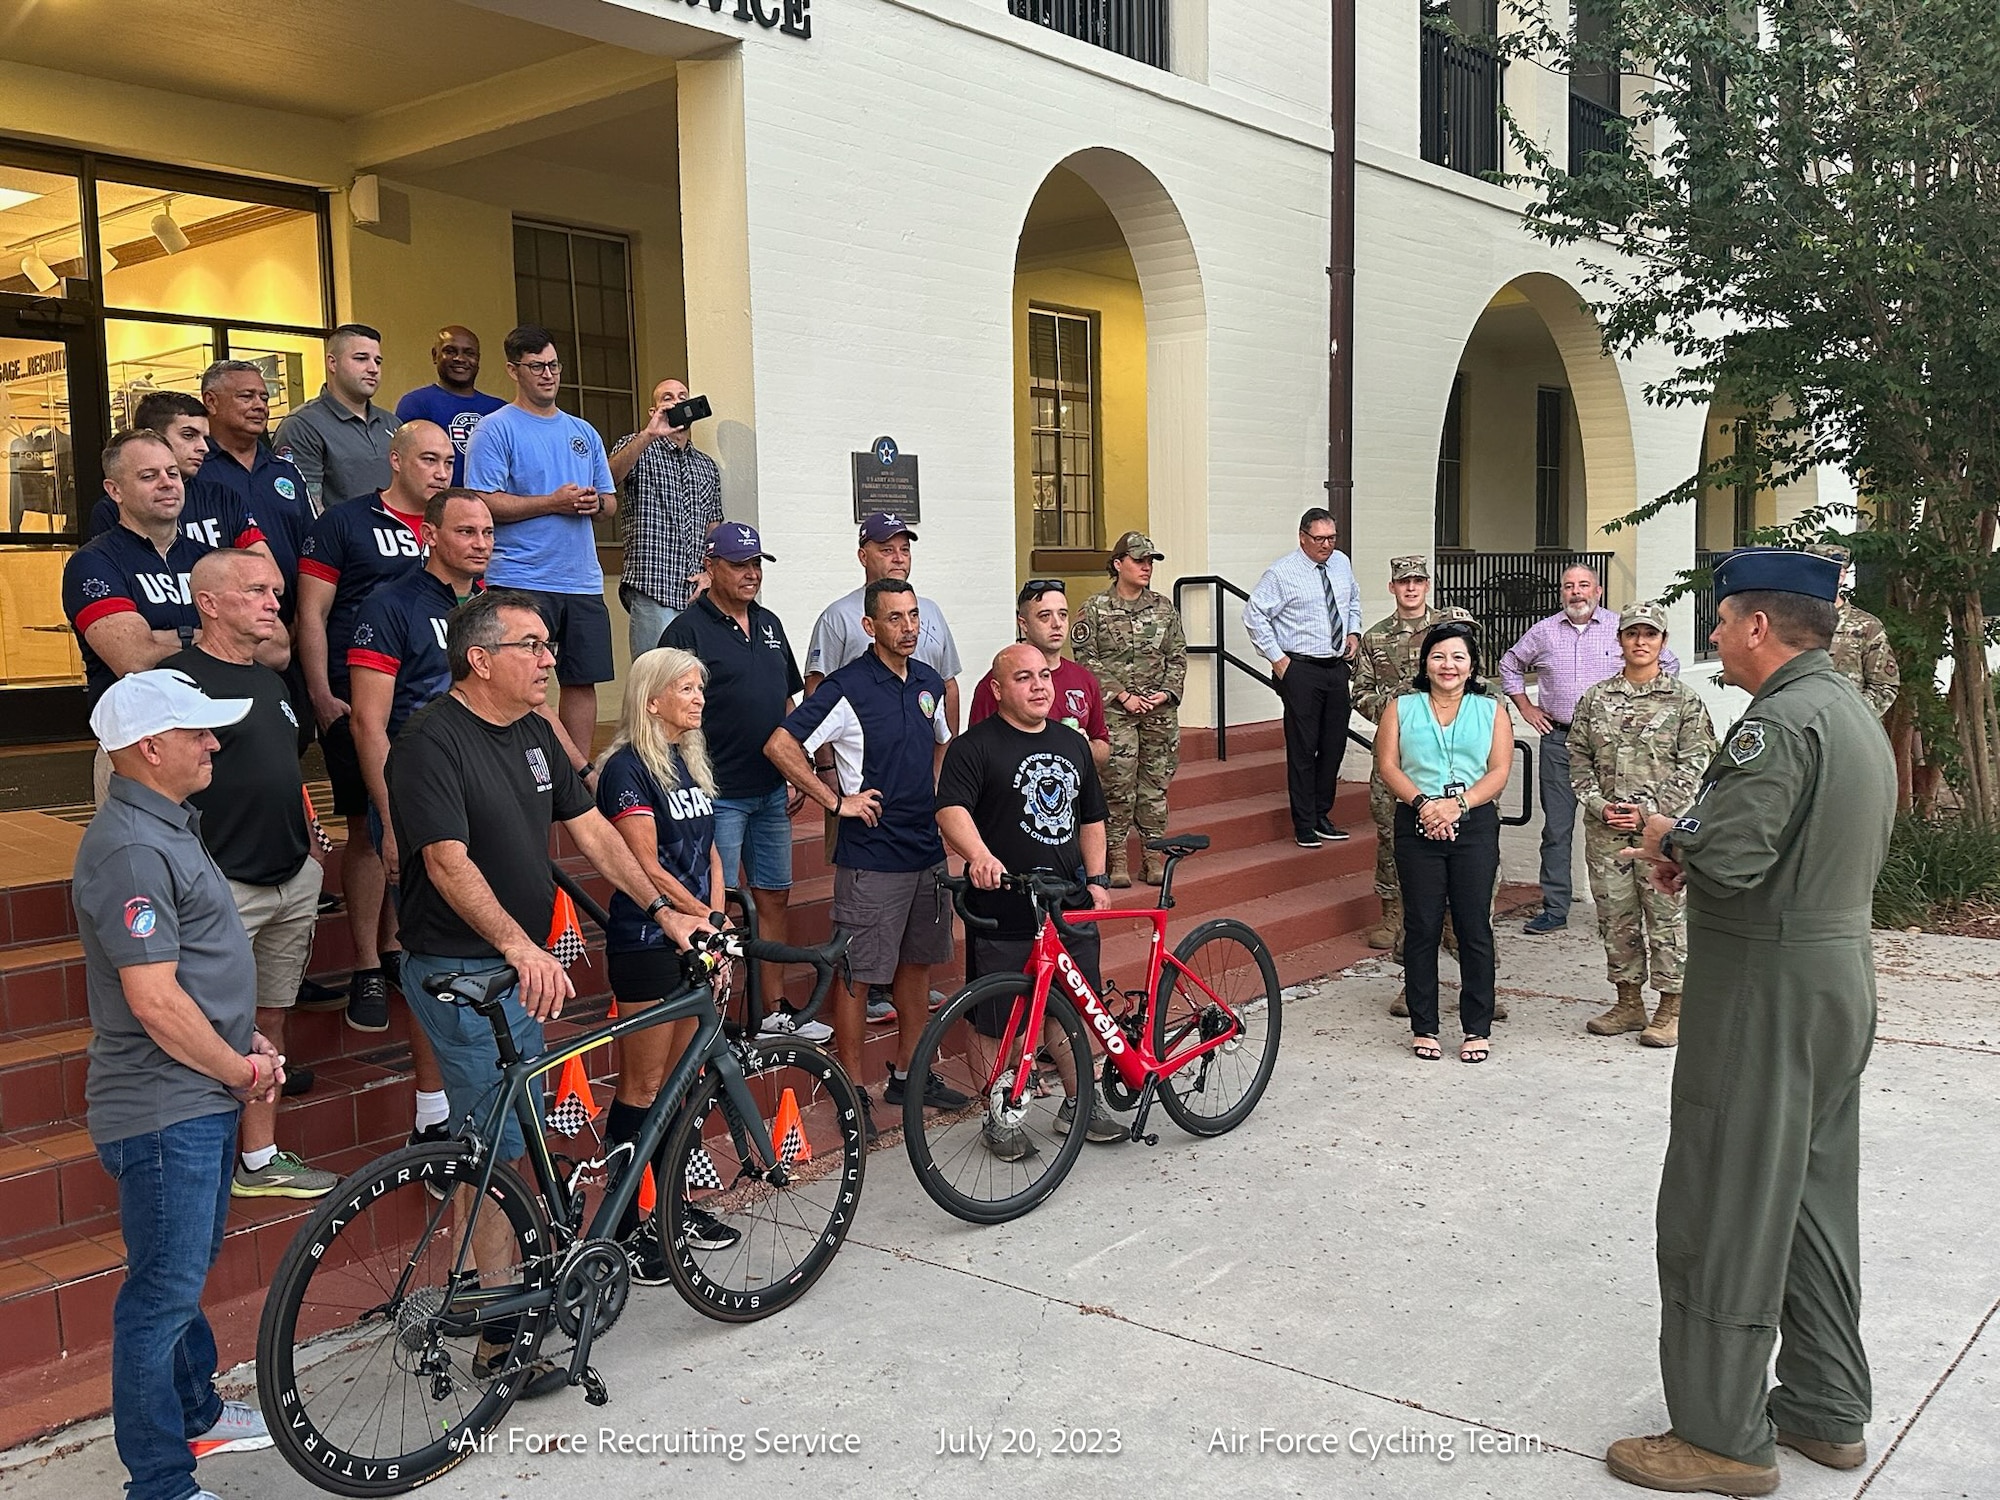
[1314, 693]
[1437, 874]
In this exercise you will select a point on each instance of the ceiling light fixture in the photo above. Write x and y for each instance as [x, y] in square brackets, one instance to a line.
[38, 273]
[14, 198]
[173, 239]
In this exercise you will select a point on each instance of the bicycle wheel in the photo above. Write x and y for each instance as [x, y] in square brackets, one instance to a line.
[997, 1158]
[368, 1355]
[780, 1223]
[1216, 1091]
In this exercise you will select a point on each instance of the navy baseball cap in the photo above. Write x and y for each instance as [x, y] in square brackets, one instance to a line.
[1779, 569]
[732, 541]
[880, 525]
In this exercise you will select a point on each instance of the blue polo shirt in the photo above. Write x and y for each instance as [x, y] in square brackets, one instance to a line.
[515, 452]
[457, 415]
[882, 729]
[357, 546]
[121, 572]
[273, 493]
[214, 518]
[400, 632]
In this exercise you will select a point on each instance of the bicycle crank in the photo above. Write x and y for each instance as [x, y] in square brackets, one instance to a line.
[592, 1289]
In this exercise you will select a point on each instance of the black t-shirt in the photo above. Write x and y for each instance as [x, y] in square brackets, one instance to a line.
[253, 812]
[751, 682]
[1028, 795]
[494, 788]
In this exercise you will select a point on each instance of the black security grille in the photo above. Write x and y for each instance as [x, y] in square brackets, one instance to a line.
[1591, 132]
[1461, 104]
[1508, 591]
[1132, 28]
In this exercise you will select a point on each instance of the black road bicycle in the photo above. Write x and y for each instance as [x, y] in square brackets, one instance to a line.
[402, 1324]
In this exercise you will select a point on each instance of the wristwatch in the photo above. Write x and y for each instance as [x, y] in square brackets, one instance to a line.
[660, 904]
[1098, 880]
[1417, 803]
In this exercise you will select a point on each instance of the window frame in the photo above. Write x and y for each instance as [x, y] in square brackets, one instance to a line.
[1551, 476]
[1091, 320]
[572, 381]
[1449, 502]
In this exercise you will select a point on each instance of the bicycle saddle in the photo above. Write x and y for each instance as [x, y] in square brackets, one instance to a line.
[481, 991]
[1179, 844]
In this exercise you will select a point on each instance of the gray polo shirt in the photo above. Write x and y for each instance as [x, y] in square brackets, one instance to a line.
[146, 892]
[838, 637]
[342, 456]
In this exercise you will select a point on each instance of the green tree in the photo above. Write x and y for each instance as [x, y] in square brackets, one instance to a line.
[1806, 213]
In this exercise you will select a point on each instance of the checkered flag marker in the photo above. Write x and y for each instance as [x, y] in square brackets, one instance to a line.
[701, 1171]
[569, 1117]
[790, 1131]
[322, 841]
[565, 930]
[790, 1147]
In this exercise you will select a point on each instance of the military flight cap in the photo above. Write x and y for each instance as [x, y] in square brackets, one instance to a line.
[1778, 569]
[1830, 549]
[1401, 568]
[881, 525]
[1645, 612]
[732, 541]
[1136, 544]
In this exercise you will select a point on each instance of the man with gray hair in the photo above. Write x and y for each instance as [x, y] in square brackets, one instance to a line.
[1571, 650]
[340, 438]
[241, 474]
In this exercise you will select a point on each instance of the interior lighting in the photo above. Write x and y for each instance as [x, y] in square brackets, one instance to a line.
[14, 198]
[38, 273]
[173, 239]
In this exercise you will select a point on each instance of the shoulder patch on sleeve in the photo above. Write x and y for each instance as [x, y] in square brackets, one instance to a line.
[1079, 632]
[1687, 825]
[1747, 743]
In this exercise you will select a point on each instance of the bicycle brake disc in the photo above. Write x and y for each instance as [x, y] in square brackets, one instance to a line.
[595, 1273]
[1116, 1093]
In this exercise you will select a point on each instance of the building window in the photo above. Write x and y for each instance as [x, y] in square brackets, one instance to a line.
[1132, 28]
[1550, 432]
[1451, 469]
[1062, 392]
[578, 285]
[1459, 86]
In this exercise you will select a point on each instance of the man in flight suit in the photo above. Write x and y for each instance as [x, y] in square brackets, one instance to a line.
[1759, 1239]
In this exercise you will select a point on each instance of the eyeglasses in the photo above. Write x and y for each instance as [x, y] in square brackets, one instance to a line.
[539, 367]
[1320, 538]
[532, 646]
[1034, 588]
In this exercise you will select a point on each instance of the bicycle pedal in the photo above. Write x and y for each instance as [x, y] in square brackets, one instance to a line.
[594, 1392]
[1151, 1140]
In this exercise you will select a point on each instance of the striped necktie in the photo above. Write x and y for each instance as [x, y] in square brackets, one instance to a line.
[1326, 588]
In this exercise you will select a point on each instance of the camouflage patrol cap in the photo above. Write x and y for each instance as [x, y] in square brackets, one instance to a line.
[1830, 549]
[1136, 544]
[1462, 616]
[1401, 568]
[1645, 612]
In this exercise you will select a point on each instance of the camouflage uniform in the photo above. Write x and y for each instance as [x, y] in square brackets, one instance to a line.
[1860, 648]
[1644, 743]
[1135, 646]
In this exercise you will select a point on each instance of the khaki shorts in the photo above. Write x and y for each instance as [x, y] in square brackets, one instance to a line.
[280, 920]
[897, 918]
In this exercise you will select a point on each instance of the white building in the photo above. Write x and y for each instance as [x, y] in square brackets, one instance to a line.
[1088, 290]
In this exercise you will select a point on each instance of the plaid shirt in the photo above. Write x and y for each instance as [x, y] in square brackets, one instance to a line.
[666, 506]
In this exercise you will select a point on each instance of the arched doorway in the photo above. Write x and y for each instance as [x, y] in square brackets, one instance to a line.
[1110, 355]
[1534, 458]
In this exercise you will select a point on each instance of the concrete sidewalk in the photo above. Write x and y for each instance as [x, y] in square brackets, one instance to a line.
[1441, 1274]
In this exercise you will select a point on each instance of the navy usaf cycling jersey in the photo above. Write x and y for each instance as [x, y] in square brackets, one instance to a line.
[273, 493]
[882, 729]
[400, 632]
[210, 517]
[358, 546]
[123, 572]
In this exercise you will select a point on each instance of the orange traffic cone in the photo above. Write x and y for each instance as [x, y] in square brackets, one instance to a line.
[648, 1195]
[789, 1131]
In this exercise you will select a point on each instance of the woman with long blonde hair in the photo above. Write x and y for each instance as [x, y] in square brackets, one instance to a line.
[658, 791]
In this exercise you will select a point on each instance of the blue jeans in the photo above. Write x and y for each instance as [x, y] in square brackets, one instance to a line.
[1558, 823]
[462, 1040]
[646, 620]
[173, 1202]
[756, 834]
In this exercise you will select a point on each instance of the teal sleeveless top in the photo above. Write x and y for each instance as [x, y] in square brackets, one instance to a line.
[1434, 757]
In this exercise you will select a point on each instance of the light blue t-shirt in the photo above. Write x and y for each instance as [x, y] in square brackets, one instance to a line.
[1435, 757]
[515, 452]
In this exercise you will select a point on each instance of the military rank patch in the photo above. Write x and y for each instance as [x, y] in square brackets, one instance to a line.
[1079, 632]
[1747, 743]
[1687, 825]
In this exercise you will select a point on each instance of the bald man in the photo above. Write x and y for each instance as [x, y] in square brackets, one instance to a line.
[454, 402]
[354, 549]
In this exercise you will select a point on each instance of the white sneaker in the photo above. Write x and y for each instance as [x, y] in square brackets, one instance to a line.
[240, 1429]
[785, 1023]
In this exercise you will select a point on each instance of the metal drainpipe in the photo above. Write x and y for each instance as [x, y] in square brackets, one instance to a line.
[1340, 273]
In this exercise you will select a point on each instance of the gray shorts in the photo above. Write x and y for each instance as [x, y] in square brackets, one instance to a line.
[900, 917]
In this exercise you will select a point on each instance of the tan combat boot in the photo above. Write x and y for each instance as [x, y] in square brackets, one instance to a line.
[1665, 1030]
[1120, 870]
[1400, 1006]
[1667, 1462]
[1156, 868]
[1384, 933]
[1629, 1014]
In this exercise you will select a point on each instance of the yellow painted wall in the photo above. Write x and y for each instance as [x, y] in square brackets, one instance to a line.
[1121, 359]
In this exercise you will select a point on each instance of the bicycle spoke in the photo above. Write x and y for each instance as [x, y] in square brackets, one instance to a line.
[1228, 997]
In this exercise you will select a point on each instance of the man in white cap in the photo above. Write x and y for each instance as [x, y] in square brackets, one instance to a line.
[174, 1055]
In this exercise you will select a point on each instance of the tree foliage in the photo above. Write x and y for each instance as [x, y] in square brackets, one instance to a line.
[1807, 216]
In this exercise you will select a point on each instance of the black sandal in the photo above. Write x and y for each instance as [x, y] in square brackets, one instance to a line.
[1427, 1050]
[1473, 1050]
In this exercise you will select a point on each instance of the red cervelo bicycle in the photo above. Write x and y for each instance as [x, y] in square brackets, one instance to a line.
[1200, 1039]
